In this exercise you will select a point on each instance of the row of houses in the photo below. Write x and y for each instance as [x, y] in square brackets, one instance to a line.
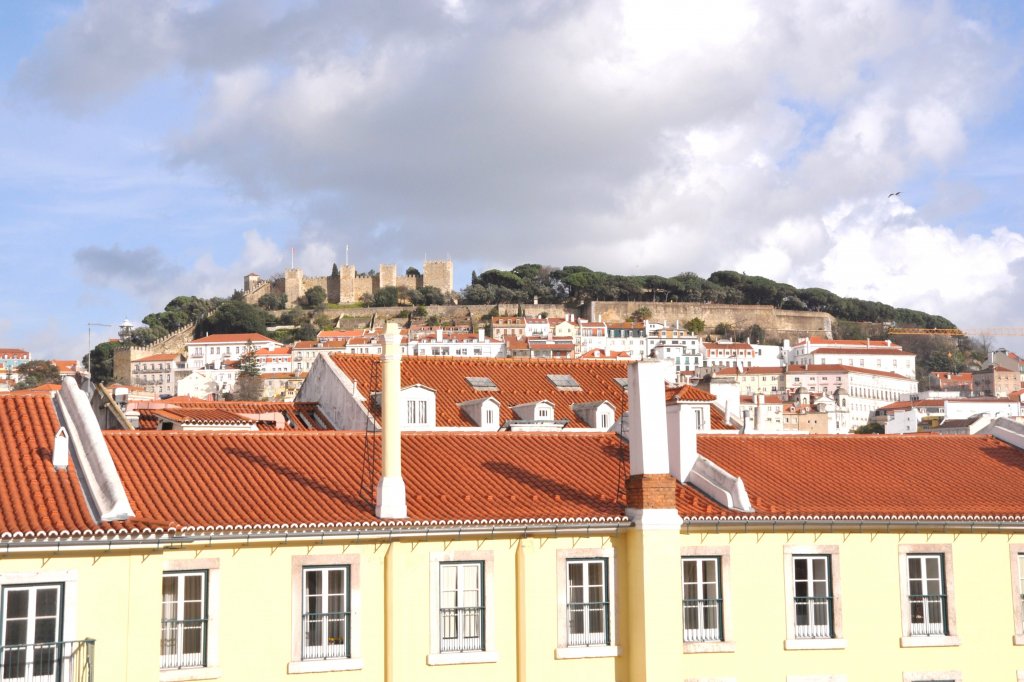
[215, 357]
[665, 550]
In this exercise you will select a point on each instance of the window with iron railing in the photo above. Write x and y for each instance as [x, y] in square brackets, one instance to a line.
[326, 616]
[185, 620]
[587, 603]
[702, 599]
[926, 594]
[812, 597]
[461, 606]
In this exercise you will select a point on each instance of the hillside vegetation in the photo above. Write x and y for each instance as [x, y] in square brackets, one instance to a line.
[576, 285]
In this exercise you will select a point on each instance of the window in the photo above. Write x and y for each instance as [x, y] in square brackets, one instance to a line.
[461, 612]
[325, 617]
[812, 597]
[564, 382]
[926, 594]
[926, 586]
[702, 599]
[184, 623]
[814, 612]
[482, 383]
[188, 626]
[416, 411]
[588, 605]
[325, 613]
[461, 608]
[31, 632]
[586, 614]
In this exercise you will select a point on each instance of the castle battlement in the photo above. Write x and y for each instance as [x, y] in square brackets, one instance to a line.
[345, 285]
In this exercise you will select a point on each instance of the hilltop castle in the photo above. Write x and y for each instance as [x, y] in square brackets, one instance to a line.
[345, 286]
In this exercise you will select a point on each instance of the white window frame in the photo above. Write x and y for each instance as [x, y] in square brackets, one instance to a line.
[946, 552]
[562, 559]
[723, 553]
[461, 575]
[180, 578]
[488, 652]
[212, 669]
[67, 583]
[354, 660]
[836, 641]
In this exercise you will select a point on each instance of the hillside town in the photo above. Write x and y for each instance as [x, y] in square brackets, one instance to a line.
[462, 341]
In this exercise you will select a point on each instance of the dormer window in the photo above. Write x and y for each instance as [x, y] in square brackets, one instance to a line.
[564, 382]
[416, 411]
[543, 413]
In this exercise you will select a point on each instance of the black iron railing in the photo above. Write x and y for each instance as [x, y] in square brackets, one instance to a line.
[813, 617]
[70, 661]
[462, 629]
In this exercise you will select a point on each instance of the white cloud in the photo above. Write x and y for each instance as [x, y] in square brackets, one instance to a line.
[627, 136]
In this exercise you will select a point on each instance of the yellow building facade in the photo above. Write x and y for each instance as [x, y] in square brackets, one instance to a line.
[167, 556]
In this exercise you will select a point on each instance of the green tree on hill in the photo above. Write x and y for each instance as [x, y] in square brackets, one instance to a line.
[36, 373]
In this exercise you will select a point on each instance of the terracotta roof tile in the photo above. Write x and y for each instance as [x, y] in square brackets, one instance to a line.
[310, 478]
[689, 394]
[35, 497]
[874, 475]
[232, 338]
[519, 381]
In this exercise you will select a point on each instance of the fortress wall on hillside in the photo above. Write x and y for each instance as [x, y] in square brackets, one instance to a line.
[172, 343]
[776, 323]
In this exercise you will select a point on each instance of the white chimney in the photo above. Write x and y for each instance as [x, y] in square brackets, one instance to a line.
[650, 489]
[60, 449]
[391, 489]
[480, 334]
[648, 435]
[437, 335]
[759, 412]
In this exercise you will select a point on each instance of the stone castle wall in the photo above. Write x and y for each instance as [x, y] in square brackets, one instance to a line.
[172, 343]
[775, 322]
[347, 286]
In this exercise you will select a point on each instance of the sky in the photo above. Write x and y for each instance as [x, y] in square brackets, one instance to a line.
[153, 149]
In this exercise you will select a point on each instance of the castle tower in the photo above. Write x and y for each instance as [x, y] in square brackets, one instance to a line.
[347, 284]
[293, 288]
[250, 281]
[439, 273]
[388, 276]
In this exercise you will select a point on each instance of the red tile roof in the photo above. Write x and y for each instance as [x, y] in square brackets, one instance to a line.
[863, 343]
[35, 498]
[232, 338]
[901, 405]
[254, 479]
[519, 381]
[873, 475]
[14, 353]
[199, 416]
[159, 357]
[601, 354]
[269, 416]
[689, 394]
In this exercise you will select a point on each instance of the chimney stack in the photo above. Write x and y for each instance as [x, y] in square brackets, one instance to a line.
[651, 487]
[60, 449]
[391, 489]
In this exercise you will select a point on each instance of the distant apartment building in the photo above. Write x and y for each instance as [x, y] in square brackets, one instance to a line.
[156, 373]
[879, 355]
[10, 358]
[214, 351]
[996, 381]
[726, 353]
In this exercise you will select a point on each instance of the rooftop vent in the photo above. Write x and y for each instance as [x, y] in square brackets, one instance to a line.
[622, 382]
[482, 383]
[564, 382]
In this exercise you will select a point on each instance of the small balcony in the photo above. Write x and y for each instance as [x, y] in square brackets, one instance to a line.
[51, 662]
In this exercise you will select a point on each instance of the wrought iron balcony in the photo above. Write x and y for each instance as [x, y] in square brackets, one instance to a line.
[588, 624]
[462, 629]
[70, 661]
[813, 618]
[702, 620]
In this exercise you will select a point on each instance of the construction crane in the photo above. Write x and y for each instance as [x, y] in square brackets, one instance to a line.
[989, 331]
